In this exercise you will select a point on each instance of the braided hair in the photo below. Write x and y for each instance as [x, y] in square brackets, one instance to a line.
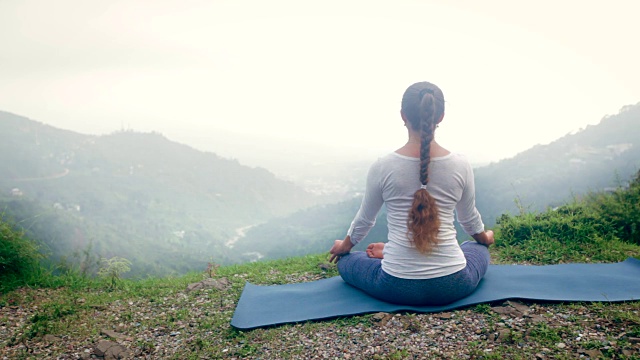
[423, 107]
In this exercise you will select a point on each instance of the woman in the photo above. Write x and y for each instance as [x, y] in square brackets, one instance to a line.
[421, 184]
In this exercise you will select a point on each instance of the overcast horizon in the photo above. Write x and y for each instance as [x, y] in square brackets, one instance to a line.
[249, 77]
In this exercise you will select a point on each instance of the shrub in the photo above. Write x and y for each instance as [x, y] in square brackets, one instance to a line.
[19, 258]
[112, 270]
[621, 210]
[604, 227]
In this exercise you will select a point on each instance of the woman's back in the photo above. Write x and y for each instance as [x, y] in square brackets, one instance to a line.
[451, 184]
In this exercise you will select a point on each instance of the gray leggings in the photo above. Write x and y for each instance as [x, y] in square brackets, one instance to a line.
[366, 274]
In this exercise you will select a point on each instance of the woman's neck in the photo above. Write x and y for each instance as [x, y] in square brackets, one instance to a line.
[412, 148]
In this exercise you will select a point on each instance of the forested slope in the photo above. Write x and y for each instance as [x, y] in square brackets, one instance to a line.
[165, 206]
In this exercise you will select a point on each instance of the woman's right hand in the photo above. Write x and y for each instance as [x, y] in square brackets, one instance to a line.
[340, 247]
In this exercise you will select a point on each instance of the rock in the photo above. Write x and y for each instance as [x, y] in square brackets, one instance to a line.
[194, 286]
[117, 352]
[50, 339]
[522, 308]
[324, 267]
[503, 335]
[101, 348]
[382, 318]
[505, 310]
[592, 353]
[209, 283]
[379, 316]
[110, 350]
[536, 318]
[445, 316]
[634, 340]
[561, 345]
[112, 334]
[409, 323]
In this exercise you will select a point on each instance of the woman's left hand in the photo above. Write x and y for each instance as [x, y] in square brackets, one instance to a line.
[340, 247]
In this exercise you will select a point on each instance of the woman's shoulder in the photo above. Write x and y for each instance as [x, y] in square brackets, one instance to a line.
[459, 157]
[454, 161]
[394, 159]
[453, 157]
[397, 158]
[392, 162]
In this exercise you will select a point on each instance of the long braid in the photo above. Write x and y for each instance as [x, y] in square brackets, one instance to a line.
[423, 221]
[426, 136]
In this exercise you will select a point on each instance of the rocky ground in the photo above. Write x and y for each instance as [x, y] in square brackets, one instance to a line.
[194, 323]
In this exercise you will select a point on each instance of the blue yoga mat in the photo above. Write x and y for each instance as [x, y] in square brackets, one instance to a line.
[279, 304]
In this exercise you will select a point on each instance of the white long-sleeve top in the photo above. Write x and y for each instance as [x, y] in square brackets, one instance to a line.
[392, 180]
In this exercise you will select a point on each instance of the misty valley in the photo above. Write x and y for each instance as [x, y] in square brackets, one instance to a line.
[169, 208]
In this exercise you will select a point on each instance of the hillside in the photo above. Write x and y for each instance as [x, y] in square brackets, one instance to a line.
[167, 207]
[309, 231]
[188, 317]
[600, 157]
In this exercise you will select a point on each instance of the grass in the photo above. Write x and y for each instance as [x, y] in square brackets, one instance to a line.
[558, 236]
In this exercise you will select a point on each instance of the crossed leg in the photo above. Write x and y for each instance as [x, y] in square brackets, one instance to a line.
[363, 270]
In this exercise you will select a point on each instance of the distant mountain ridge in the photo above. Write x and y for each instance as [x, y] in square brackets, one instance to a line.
[165, 206]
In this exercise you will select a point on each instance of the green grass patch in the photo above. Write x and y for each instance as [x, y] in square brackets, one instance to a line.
[604, 227]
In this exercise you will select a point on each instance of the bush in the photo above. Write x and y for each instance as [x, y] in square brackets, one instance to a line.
[604, 227]
[112, 270]
[621, 210]
[19, 258]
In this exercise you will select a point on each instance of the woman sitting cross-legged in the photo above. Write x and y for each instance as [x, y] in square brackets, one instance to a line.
[421, 184]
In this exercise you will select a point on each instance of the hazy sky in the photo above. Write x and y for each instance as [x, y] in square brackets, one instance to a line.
[254, 75]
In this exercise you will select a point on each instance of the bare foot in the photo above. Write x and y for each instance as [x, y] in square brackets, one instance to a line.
[375, 250]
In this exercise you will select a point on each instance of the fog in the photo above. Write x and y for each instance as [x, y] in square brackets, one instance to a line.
[286, 82]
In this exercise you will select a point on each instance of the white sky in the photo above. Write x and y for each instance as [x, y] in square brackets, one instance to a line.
[252, 75]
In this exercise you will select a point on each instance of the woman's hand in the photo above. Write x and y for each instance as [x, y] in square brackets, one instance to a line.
[485, 238]
[340, 247]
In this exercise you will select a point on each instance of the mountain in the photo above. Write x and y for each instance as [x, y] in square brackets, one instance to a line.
[597, 158]
[165, 206]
